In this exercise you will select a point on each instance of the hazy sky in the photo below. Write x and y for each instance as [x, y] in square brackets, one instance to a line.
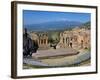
[34, 17]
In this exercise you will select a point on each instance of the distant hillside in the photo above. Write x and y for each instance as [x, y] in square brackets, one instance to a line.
[86, 25]
[55, 25]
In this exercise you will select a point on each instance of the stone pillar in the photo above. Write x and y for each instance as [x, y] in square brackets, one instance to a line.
[44, 41]
[65, 42]
[81, 43]
[68, 41]
[40, 41]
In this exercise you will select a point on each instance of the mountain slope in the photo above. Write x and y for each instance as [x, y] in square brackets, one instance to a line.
[86, 25]
[55, 25]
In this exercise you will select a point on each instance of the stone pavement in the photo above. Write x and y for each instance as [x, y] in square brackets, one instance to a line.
[31, 61]
[59, 61]
[55, 53]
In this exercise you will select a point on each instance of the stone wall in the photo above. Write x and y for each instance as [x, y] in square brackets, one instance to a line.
[76, 38]
[41, 38]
